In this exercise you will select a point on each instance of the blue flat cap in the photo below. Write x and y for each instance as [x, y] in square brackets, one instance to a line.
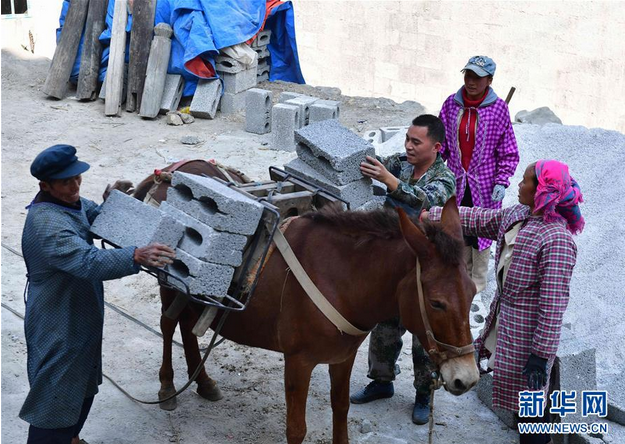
[481, 65]
[57, 162]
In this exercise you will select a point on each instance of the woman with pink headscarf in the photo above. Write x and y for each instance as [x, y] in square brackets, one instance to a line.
[534, 262]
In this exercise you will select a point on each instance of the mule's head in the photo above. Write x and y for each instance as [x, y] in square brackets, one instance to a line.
[447, 292]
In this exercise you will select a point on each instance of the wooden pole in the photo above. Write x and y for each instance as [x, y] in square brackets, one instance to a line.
[91, 51]
[143, 12]
[115, 71]
[510, 94]
[156, 72]
[65, 52]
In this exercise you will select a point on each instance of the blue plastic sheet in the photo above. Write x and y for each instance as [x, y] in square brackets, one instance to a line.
[203, 27]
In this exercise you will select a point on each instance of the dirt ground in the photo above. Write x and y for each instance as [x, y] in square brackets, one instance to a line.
[253, 410]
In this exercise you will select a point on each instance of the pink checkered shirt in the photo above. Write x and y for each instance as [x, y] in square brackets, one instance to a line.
[534, 296]
[495, 156]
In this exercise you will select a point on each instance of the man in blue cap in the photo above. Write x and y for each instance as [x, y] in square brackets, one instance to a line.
[65, 305]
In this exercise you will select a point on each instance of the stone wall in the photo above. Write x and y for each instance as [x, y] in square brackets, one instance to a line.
[564, 55]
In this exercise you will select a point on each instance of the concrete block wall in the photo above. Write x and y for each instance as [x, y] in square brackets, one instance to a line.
[564, 56]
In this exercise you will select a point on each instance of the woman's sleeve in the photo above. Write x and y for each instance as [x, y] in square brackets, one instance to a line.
[476, 221]
[556, 261]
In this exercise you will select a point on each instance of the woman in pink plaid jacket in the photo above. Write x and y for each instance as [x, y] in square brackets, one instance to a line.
[534, 262]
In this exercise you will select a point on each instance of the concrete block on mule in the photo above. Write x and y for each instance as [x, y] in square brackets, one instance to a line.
[284, 122]
[262, 39]
[240, 81]
[206, 99]
[172, 93]
[484, 389]
[214, 203]
[333, 150]
[232, 103]
[206, 243]
[356, 193]
[126, 221]
[202, 278]
[258, 111]
[304, 103]
[320, 111]
[375, 203]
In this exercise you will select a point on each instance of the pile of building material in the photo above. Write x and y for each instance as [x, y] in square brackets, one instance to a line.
[205, 221]
[329, 156]
[260, 45]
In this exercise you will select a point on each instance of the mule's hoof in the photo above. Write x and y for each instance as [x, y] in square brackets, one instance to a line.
[209, 390]
[170, 404]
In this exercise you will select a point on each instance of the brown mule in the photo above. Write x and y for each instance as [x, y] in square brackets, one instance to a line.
[365, 265]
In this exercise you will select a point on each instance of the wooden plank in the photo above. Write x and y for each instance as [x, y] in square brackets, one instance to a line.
[176, 307]
[65, 52]
[261, 190]
[91, 51]
[156, 71]
[143, 12]
[205, 321]
[115, 70]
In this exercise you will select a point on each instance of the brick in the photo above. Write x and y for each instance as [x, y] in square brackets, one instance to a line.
[258, 111]
[262, 51]
[204, 242]
[232, 103]
[284, 122]
[374, 204]
[304, 103]
[390, 131]
[214, 203]
[203, 278]
[206, 99]
[262, 39]
[356, 193]
[240, 81]
[126, 221]
[229, 65]
[172, 93]
[262, 78]
[263, 67]
[333, 150]
[288, 95]
[319, 112]
[373, 137]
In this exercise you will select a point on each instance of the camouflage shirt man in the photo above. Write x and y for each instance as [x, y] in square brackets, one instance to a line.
[416, 180]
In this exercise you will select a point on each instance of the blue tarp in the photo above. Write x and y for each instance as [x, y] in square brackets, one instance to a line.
[203, 27]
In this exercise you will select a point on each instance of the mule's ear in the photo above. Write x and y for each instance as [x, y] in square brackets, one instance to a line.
[417, 241]
[450, 218]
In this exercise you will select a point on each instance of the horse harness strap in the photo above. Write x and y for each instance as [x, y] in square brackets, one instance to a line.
[435, 346]
[311, 289]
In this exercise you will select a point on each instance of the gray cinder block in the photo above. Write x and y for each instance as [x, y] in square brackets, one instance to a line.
[320, 111]
[262, 39]
[258, 111]
[228, 65]
[373, 137]
[240, 81]
[214, 203]
[126, 221]
[389, 131]
[262, 78]
[304, 103]
[232, 103]
[484, 389]
[204, 242]
[203, 278]
[333, 150]
[172, 93]
[288, 95]
[263, 66]
[206, 99]
[356, 193]
[284, 121]
[262, 51]
[374, 204]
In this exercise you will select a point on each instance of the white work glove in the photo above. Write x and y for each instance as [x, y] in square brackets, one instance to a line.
[499, 192]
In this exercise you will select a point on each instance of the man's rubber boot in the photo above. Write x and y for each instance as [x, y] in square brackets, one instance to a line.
[374, 390]
[421, 410]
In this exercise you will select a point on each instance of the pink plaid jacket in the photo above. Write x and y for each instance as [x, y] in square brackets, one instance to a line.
[534, 297]
[495, 156]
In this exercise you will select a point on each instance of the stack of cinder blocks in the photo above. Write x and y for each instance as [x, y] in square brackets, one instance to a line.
[260, 45]
[206, 222]
[329, 156]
